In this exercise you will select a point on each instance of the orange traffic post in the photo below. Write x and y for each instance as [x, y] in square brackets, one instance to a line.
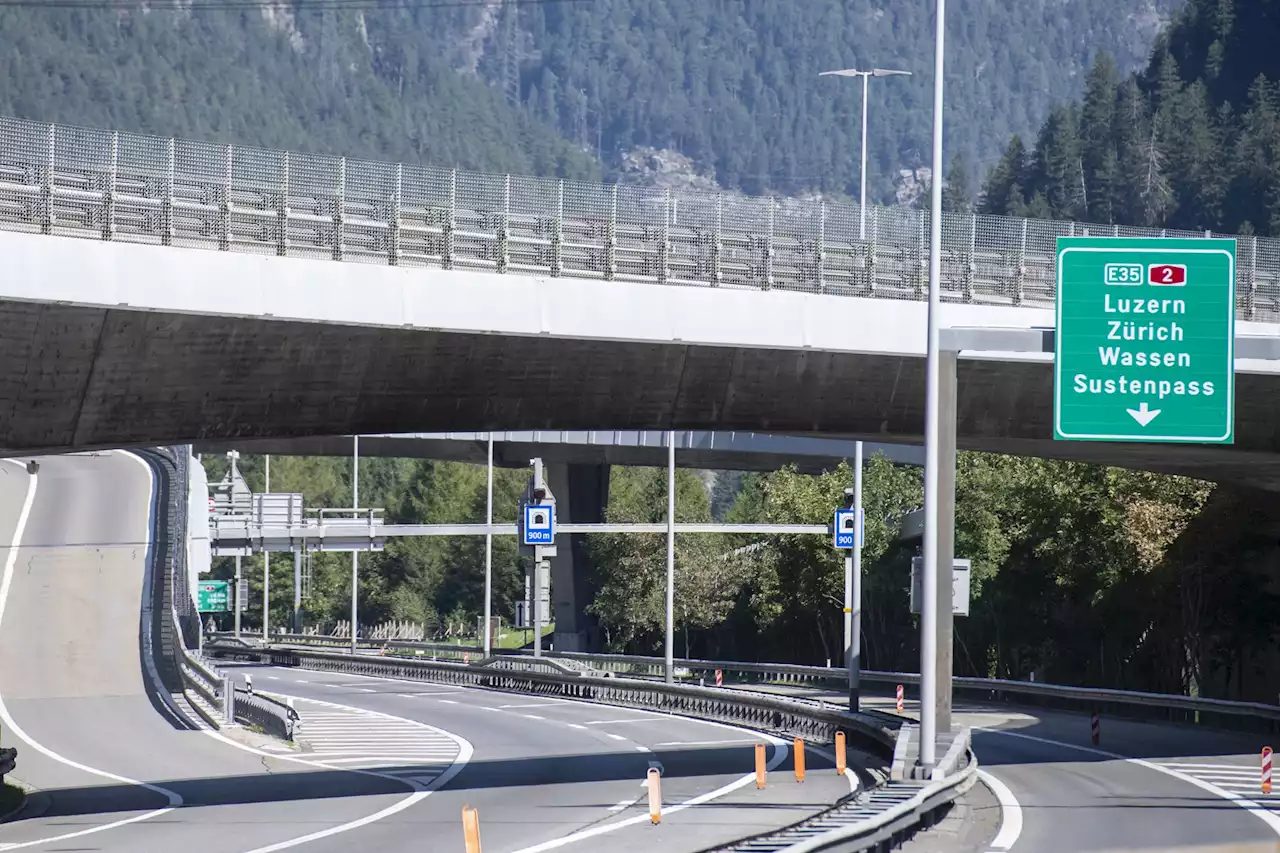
[841, 764]
[471, 829]
[655, 796]
[797, 746]
[760, 771]
[1266, 770]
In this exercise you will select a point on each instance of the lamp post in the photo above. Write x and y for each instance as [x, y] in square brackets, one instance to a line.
[929, 604]
[862, 179]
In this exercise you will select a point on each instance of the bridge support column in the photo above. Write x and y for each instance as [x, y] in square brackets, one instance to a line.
[946, 532]
[582, 492]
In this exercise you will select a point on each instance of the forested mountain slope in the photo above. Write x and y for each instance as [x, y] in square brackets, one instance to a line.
[555, 87]
[1191, 142]
[380, 85]
[734, 85]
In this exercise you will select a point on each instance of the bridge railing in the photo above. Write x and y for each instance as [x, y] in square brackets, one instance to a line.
[108, 185]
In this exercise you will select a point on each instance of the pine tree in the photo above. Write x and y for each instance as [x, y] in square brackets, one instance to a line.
[1097, 142]
[1056, 165]
[1004, 193]
[956, 195]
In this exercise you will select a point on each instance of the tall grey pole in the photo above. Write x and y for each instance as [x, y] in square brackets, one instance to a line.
[929, 579]
[266, 570]
[862, 180]
[355, 555]
[297, 591]
[236, 600]
[854, 585]
[488, 551]
[669, 667]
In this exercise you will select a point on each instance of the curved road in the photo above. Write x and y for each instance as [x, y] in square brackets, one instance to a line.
[384, 765]
[1145, 786]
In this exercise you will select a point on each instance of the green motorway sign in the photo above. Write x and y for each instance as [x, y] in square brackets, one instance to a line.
[1145, 340]
[213, 597]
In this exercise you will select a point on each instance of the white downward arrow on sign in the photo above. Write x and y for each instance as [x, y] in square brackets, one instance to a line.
[1143, 415]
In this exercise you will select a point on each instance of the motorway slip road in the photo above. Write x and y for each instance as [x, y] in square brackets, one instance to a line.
[1145, 786]
[553, 774]
[386, 766]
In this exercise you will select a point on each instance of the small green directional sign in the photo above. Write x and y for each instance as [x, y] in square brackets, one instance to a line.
[213, 597]
[1145, 340]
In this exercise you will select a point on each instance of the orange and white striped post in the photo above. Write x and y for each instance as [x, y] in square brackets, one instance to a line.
[760, 769]
[471, 829]
[1266, 770]
[655, 796]
[719, 678]
[900, 699]
[1095, 729]
[841, 764]
[466, 657]
[797, 746]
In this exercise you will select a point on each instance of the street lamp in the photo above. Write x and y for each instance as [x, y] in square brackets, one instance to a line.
[862, 180]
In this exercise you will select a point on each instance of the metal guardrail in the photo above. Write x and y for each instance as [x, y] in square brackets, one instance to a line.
[8, 762]
[873, 816]
[1163, 706]
[816, 723]
[271, 715]
[106, 185]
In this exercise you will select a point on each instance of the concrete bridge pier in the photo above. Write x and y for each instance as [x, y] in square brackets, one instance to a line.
[582, 493]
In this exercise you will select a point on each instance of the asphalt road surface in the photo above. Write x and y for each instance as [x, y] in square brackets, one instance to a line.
[382, 766]
[1145, 786]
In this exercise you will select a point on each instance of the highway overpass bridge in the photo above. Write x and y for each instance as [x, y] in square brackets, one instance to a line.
[234, 294]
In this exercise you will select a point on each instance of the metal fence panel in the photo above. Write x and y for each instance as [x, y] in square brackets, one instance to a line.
[121, 186]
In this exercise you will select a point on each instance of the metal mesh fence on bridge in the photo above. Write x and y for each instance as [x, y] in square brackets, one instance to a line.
[71, 181]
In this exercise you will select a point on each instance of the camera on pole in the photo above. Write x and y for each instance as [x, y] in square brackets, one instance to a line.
[537, 527]
[845, 527]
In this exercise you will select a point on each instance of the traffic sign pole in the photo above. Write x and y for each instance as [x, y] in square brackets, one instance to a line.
[854, 568]
[237, 601]
[1145, 343]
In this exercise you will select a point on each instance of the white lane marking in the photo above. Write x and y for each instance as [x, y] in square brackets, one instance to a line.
[576, 726]
[530, 705]
[300, 681]
[643, 749]
[611, 722]
[174, 799]
[779, 755]
[420, 789]
[271, 678]
[781, 749]
[1010, 813]
[1187, 765]
[447, 702]
[487, 708]
[625, 804]
[615, 737]
[532, 717]
[1255, 808]
[701, 742]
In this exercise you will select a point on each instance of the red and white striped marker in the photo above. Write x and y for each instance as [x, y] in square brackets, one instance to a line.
[1266, 770]
[466, 657]
[1095, 729]
[899, 698]
[719, 678]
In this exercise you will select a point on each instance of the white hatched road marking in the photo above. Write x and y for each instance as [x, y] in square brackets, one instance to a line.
[349, 737]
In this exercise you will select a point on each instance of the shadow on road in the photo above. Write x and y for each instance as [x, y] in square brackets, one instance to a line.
[290, 781]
